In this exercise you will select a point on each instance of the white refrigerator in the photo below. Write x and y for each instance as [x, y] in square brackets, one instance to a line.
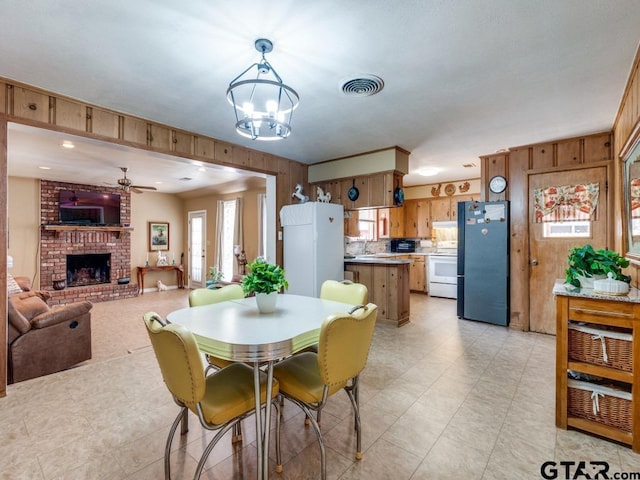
[313, 236]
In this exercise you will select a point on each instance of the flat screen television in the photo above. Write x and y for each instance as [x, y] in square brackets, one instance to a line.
[89, 208]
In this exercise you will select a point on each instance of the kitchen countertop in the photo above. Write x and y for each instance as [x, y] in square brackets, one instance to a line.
[384, 259]
[562, 288]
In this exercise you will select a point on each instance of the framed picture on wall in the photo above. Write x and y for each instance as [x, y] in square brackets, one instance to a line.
[158, 236]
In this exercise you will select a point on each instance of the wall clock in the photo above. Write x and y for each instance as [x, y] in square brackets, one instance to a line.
[498, 184]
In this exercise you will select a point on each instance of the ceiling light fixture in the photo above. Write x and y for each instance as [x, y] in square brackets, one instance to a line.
[67, 144]
[428, 171]
[263, 104]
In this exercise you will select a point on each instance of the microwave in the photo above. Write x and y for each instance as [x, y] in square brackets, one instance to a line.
[403, 246]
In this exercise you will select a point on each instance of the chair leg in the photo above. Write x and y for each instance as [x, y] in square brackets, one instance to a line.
[353, 393]
[316, 427]
[278, 405]
[184, 424]
[167, 449]
[207, 451]
[236, 436]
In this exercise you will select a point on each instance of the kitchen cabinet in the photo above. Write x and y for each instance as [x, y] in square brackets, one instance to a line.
[417, 274]
[417, 223]
[351, 224]
[391, 222]
[598, 340]
[445, 209]
[374, 191]
[362, 184]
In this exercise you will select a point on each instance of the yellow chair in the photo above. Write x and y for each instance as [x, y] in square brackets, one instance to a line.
[207, 296]
[219, 400]
[308, 379]
[345, 292]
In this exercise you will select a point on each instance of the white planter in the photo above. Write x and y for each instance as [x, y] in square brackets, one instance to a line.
[587, 282]
[266, 302]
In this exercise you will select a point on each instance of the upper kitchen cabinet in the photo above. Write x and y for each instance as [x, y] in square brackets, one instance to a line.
[417, 221]
[391, 222]
[445, 209]
[458, 199]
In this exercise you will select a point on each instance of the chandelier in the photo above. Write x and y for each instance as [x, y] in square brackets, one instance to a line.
[263, 104]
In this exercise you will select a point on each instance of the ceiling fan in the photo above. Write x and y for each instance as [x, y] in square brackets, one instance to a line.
[127, 185]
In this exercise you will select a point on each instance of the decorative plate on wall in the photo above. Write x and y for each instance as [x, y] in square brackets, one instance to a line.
[450, 189]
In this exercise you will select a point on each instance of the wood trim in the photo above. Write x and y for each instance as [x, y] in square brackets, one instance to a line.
[3, 258]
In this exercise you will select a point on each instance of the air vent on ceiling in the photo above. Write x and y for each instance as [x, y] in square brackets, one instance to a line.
[363, 86]
[469, 165]
[185, 179]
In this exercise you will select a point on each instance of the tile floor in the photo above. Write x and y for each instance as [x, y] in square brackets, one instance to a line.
[442, 398]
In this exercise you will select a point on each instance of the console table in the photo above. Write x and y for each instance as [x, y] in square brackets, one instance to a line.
[143, 270]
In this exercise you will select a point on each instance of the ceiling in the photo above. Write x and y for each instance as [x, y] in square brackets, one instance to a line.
[462, 78]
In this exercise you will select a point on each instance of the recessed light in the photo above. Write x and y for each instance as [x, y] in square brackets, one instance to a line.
[67, 144]
[42, 167]
[202, 169]
[428, 171]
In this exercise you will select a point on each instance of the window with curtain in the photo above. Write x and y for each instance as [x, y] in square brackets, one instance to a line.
[229, 234]
[262, 225]
[567, 210]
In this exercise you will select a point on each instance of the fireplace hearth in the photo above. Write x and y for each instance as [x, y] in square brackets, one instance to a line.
[88, 269]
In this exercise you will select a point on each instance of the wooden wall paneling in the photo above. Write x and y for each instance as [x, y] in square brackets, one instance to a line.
[298, 175]
[205, 148]
[381, 189]
[362, 183]
[160, 137]
[103, 123]
[240, 156]
[3, 97]
[257, 160]
[597, 148]
[182, 142]
[542, 155]
[30, 105]
[271, 163]
[134, 130]
[568, 152]
[519, 162]
[493, 165]
[69, 114]
[223, 153]
[3, 258]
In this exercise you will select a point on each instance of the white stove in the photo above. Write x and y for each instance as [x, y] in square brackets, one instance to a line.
[443, 273]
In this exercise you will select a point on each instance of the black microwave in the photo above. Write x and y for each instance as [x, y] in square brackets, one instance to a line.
[403, 246]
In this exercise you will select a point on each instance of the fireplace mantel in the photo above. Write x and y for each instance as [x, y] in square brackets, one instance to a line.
[82, 228]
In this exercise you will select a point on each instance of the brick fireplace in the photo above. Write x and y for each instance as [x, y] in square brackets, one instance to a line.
[89, 282]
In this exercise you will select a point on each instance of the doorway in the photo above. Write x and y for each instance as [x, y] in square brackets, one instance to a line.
[548, 252]
[197, 253]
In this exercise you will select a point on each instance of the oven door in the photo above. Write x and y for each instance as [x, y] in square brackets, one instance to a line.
[443, 276]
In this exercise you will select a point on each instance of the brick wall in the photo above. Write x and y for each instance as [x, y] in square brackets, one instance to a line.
[56, 245]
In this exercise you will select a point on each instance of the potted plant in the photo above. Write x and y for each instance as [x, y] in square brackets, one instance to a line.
[215, 276]
[265, 280]
[587, 263]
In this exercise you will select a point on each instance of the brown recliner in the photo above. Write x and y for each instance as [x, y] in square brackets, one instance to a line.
[44, 339]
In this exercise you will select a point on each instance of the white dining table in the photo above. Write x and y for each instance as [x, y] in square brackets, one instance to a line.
[235, 330]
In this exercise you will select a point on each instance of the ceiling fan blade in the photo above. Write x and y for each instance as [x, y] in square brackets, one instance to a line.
[135, 190]
[142, 187]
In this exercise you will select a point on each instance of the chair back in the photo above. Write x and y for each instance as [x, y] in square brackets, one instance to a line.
[353, 293]
[207, 296]
[344, 344]
[179, 359]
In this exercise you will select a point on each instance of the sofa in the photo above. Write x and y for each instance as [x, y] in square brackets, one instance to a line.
[43, 339]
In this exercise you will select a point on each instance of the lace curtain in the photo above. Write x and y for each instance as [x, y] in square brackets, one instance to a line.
[567, 203]
[635, 197]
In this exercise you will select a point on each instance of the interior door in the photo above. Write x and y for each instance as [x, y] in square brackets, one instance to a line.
[548, 256]
[197, 253]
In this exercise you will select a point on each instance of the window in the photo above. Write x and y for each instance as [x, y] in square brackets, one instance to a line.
[367, 224]
[567, 229]
[262, 225]
[228, 228]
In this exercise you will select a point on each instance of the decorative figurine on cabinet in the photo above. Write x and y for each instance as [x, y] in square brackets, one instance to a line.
[323, 197]
[299, 195]
[162, 260]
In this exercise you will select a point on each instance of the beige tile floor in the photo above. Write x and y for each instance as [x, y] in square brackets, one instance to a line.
[442, 398]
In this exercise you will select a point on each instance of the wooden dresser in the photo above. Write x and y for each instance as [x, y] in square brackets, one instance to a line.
[598, 363]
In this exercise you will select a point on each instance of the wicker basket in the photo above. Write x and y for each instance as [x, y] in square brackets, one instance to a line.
[599, 403]
[608, 348]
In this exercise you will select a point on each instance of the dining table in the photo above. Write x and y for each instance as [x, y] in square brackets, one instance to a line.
[235, 330]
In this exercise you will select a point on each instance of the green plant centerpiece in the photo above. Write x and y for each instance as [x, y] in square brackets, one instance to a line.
[264, 278]
[588, 262]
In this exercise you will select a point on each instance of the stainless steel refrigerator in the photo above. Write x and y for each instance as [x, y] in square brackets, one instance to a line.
[313, 248]
[483, 261]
